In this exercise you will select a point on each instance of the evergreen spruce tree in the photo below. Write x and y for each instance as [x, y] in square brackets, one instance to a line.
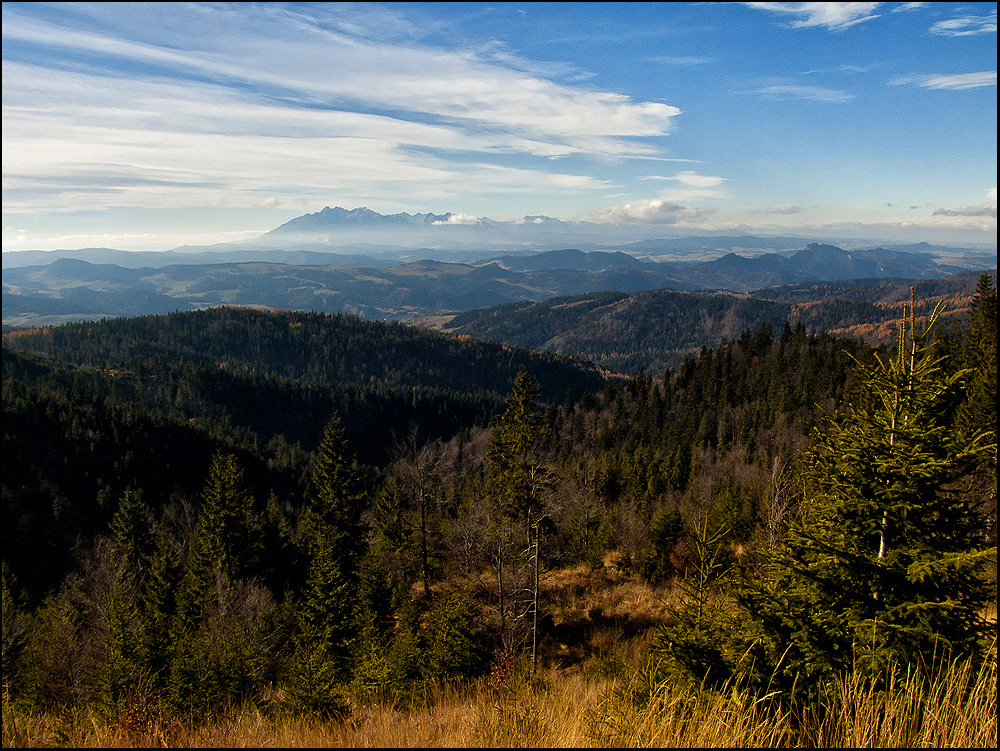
[884, 566]
[335, 500]
[125, 670]
[131, 530]
[229, 531]
[519, 481]
[226, 538]
[210, 662]
[332, 541]
[979, 355]
[157, 599]
[516, 469]
[371, 668]
[695, 641]
[979, 409]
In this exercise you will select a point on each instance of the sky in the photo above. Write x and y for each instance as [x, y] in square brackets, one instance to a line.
[146, 126]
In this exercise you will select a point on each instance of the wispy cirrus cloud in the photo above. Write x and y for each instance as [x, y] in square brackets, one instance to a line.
[679, 59]
[966, 26]
[688, 185]
[954, 81]
[689, 178]
[71, 144]
[839, 69]
[787, 91]
[454, 84]
[780, 210]
[271, 102]
[833, 16]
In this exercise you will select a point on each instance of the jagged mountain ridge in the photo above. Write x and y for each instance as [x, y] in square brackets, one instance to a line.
[337, 217]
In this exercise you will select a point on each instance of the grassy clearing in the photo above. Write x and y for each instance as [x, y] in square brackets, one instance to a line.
[554, 709]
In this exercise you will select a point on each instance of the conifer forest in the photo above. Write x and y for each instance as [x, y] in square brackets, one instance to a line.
[299, 513]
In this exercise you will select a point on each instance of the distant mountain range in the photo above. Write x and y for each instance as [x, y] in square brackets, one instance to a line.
[337, 218]
[71, 289]
[362, 237]
[316, 272]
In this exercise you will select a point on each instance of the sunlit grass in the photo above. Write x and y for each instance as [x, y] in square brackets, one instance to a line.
[609, 697]
[954, 709]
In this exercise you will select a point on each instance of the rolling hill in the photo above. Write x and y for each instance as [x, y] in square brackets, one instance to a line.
[74, 289]
[659, 328]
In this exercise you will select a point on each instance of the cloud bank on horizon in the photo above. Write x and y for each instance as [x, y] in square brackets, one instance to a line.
[151, 125]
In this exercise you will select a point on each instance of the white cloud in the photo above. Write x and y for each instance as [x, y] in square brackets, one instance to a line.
[654, 211]
[45, 101]
[459, 219]
[690, 178]
[228, 114]
[461, 86]
[575, 182]
[957, 81]
[966, 26]
[833, 16]
[51, 164]
[814, 93]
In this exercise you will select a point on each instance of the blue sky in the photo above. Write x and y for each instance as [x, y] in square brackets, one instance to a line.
[148, 126]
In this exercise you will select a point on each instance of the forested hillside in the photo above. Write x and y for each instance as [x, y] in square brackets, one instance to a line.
[95, 408]
[620, 332]
[296, 510]
[310, 347]
[265, 370]
[654, 330]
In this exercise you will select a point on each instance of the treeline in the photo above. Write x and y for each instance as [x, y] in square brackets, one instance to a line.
[179, 562]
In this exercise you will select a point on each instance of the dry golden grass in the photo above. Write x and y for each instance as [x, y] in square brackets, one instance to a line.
[548, 711]
[574, 710]
[955, 709]
[593, 702]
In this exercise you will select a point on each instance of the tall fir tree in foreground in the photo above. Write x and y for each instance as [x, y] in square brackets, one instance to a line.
[332, 542]
[216, 653]
[885, 563]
